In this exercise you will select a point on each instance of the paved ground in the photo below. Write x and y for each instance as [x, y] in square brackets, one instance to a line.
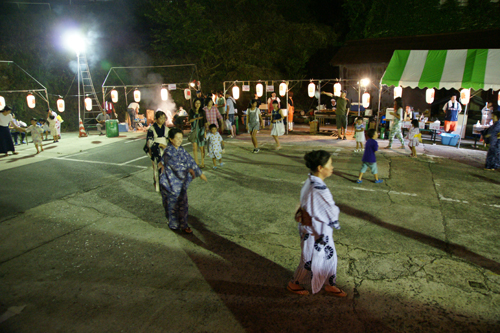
[418, 253]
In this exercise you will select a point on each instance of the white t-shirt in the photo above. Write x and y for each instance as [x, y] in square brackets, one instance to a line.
[5, 120]
[133, 105]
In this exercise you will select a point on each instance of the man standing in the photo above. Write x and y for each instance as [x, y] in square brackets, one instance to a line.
[452, 108]
[341, 114]
[101, 121]
[270, 101]
[231, 104]
[132, 110]
[221, 104]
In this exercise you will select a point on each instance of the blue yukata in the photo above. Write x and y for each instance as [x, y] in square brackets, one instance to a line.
[318, 262]
[174, 182]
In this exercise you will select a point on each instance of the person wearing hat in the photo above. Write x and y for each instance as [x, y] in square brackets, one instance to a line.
[6, 143]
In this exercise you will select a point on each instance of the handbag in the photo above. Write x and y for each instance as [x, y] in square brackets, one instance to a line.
[228, 124]
[303, 217]
[194, 132]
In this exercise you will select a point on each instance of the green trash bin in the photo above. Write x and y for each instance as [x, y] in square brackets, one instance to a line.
[112, 128]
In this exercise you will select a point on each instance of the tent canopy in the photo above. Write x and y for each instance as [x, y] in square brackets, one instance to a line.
[473, 68]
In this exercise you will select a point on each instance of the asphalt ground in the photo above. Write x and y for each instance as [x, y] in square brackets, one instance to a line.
[417, 253]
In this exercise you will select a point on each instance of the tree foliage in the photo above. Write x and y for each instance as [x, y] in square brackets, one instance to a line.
[245, 39]
[389, 18]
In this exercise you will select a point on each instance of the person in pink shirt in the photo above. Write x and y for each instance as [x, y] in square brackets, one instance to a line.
[212, 114]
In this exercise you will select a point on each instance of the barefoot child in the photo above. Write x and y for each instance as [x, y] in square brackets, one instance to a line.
[413, 137]
[215, 145]
[177, 169]
[278, 126]
[318, 261]
[369, 159]
[359, 135]
[36, 135]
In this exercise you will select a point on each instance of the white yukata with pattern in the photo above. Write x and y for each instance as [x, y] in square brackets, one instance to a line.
[318, 262]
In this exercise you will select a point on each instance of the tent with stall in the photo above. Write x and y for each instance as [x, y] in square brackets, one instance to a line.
[468, 69]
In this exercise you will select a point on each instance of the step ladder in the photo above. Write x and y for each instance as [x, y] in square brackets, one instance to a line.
[88, 91]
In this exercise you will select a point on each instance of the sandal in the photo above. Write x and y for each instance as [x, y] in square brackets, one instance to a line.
[338, 293]
[299, 291]
[202, 166]
[188, 230]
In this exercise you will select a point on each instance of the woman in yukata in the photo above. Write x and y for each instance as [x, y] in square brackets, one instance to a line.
[156, 142]
[493, 156]
[177, 170]
[318, 261]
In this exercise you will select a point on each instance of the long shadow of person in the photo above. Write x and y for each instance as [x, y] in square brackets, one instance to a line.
[253, 288]
[454, 249]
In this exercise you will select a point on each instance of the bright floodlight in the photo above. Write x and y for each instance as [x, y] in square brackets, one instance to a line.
[364, 82]
[74, 41]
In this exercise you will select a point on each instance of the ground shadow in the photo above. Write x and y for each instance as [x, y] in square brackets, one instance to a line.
[486, 179]
[453, 249]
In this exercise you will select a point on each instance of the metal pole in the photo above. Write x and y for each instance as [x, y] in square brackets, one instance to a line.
[319, 95]
[359, 98]
[78, 62]
[379, 98]
[464, 129]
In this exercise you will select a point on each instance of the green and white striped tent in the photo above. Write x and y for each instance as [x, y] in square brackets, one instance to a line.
[474, 68]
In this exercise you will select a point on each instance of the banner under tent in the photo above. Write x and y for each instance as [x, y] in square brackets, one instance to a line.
[477, 69]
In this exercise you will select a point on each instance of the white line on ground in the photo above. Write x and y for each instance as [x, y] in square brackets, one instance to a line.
[99, 162]
[135, 159]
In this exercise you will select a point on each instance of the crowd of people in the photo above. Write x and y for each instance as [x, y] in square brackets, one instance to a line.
[11, 128]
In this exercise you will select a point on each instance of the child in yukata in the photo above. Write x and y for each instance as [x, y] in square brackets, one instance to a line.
[396, 127]
[177, 170]
[359, 135]
[36, 135]
[215, 145]
[318, 261]
[53, 129]
[413, 137]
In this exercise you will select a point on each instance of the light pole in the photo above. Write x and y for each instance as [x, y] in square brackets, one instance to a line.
[74, 41]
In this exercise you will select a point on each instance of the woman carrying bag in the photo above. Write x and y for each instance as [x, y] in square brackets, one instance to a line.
[197, 119]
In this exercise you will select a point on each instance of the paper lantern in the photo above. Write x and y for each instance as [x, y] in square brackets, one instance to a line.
[366, 100]
[398, 92]
[114, 96]
[187, 94]
[2, 102]
[60, 105]
[236, 92]
[30, 99]
[88, 104]
[498, 99]
[311, 89]
[429, 95]
[337, 88]
[465, 96]
[137, 95]
[164, 94]
[260, 89]
[283, 89]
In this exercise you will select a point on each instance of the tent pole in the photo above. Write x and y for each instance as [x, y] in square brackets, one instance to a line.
[462, 128]
[379, 98]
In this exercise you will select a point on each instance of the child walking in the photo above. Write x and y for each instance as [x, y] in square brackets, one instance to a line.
[53, 129]
[369, 160]
[318, 260]
[254, 119]
[413, 137]
[177, 169]
[359, 135]
[278, 126]
[36, 135]
[215, 145]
